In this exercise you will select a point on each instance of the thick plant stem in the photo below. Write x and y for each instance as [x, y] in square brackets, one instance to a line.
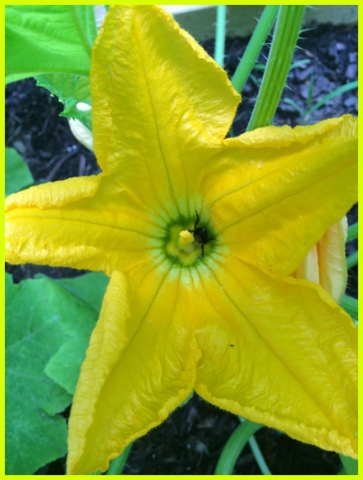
[282, 49]
[254, 47]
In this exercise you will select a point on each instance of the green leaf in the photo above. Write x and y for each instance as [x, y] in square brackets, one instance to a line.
[48, 39]
[17, 173]
[79, 303]
[291, 102]
[338, 91]
[35, 435]
[49, 323]
[70, 89]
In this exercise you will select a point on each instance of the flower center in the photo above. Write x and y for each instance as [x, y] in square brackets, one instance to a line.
[187, 243]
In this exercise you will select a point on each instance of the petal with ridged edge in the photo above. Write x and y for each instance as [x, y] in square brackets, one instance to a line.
[140, 366]
[157, 99]
[87, 223]
[281, 353]
[274, 192]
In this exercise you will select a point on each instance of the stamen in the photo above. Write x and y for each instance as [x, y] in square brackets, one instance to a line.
[186, 242]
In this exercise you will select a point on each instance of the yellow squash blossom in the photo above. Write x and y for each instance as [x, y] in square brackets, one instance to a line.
[213, 305]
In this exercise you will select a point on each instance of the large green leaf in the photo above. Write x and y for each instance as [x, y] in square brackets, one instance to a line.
[79, 308]
[35, 435]
[17, 173]
[48, 39]
[48, 326]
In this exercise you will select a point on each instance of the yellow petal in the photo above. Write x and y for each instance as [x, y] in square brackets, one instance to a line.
[309, 267]
[140, 366]
[274, 192]
[280, 353]
[325, 263]
[158, 98]
[53, 194]
[87, 223]
[332, 261]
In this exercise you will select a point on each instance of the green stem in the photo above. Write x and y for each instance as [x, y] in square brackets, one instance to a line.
[282, 49]
[350, 305]
[258, 456]
[117, 464]
[220, 35]
[349, 464]
[352, 232]
[254, 47]
[352, 260]
[234, 446]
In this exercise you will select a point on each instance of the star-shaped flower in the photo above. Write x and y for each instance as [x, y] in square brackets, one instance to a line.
[230, 322]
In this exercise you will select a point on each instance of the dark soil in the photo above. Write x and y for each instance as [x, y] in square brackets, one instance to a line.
[192, 438]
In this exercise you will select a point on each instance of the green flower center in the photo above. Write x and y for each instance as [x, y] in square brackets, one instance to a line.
[188, 242]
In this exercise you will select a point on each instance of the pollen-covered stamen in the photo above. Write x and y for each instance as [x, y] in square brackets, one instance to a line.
[186, 241]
